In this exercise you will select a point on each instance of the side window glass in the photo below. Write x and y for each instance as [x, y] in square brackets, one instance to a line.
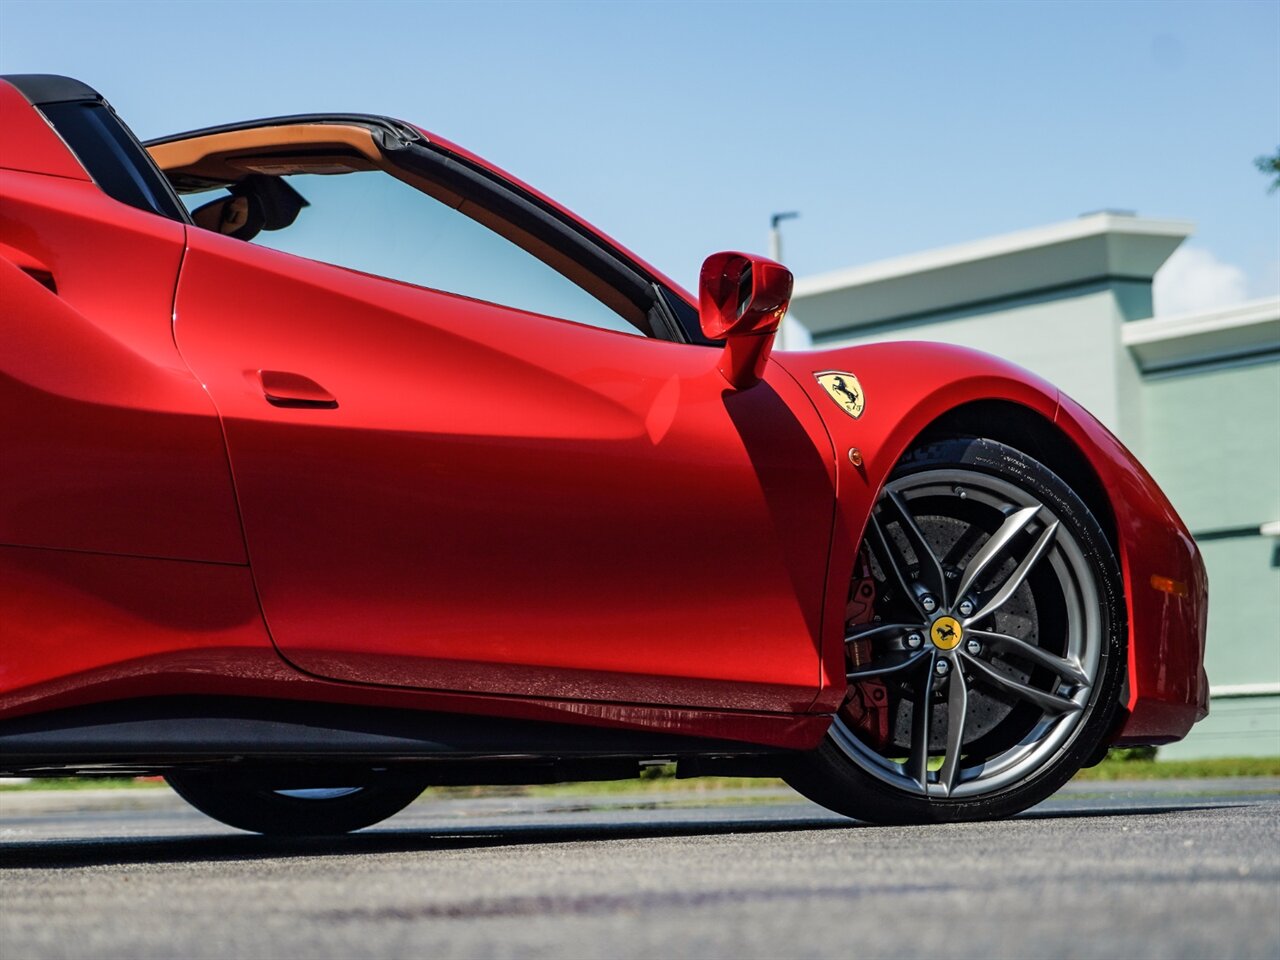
[113, 158]
[372, 222]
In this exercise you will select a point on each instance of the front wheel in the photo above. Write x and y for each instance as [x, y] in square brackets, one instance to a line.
[985, 643]
[252, 803]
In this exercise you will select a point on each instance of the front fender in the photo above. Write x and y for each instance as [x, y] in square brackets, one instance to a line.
[906, 387]
[1165, 585]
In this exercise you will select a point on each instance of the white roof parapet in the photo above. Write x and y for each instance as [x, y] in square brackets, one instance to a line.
[1094, 247]
[1242, 330]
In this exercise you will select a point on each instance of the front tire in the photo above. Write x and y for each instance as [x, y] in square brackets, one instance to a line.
[985, 645]
[250, 803]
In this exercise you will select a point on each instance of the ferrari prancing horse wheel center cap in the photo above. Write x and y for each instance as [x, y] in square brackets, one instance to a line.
[946, 633]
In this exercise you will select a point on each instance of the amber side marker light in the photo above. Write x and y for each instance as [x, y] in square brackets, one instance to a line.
[1169, 585]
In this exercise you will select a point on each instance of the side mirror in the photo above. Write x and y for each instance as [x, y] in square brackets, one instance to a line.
[742, 300]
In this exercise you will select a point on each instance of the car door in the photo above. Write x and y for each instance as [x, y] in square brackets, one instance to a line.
[443, 492]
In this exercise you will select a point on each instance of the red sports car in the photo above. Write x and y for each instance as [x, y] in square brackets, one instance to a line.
[338, 463]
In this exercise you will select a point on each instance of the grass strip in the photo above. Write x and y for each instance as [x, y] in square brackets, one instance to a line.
[1182, 769]
[663, 779]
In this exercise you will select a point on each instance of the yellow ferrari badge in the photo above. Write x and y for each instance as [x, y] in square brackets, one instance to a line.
[946, 633]
[845, 390]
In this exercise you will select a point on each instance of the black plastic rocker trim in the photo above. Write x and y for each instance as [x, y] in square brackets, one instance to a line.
[162, 731]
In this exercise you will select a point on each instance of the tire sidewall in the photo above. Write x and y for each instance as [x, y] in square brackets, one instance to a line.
[247, 804]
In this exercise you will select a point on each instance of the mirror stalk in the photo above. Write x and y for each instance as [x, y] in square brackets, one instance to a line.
[744, 358]
[742, 299]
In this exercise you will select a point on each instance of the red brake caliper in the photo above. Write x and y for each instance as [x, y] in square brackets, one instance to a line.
[867, 706]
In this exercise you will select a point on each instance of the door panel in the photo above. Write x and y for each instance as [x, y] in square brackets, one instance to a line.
[502, 502]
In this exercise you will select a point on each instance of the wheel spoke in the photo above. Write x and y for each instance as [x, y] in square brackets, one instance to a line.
[1012, 526]
[957, 707]
[861, 673]
[1019, 574]
[871, 630]
[921, 720]
[930, 569]
[1067, 670]
[1048, 702]
[967, 544]
[894, 565]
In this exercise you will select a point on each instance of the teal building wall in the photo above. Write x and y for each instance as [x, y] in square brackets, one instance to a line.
[1212, 441]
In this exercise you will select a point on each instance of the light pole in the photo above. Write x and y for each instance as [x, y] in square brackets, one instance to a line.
[775, 233]
[775, 253]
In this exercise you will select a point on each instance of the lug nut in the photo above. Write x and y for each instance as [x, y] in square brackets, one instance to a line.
[966, 607]
[973, 647]
[928, 603]
[914, 640]
[942, 668]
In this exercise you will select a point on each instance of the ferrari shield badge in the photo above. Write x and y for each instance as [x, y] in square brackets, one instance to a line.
[845, 390]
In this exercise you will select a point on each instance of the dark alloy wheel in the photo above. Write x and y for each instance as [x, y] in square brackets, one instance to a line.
[250, 802]
[985, 643]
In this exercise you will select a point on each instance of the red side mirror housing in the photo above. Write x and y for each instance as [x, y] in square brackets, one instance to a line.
[742, 299]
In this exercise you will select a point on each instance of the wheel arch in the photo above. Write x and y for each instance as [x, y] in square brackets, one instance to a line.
[1031, 432]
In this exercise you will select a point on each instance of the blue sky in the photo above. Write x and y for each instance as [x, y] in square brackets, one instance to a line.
[679, 127]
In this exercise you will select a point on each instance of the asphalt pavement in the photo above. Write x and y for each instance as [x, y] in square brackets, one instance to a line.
[1186, 869]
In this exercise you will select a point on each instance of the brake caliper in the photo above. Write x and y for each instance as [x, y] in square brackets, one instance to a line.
[866, 708]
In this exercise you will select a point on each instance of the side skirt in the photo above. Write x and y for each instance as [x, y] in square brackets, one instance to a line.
[305, 740]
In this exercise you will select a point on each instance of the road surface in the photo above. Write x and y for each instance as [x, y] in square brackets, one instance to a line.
[1188, 869]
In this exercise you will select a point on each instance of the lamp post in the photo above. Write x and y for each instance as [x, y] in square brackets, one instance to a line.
[775, 233]
[775, 253]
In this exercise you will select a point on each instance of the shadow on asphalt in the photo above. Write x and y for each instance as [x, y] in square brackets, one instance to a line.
[1118, 811]
[54, 854]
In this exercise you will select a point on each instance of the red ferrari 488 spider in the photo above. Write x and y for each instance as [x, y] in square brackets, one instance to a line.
[338, 463]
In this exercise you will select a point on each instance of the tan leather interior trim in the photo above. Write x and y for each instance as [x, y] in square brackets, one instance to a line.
[209, 157]
[287, 164]
[230, 156]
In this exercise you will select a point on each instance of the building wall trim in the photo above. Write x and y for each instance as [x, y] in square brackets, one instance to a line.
[959, 311]
[1236, 690]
